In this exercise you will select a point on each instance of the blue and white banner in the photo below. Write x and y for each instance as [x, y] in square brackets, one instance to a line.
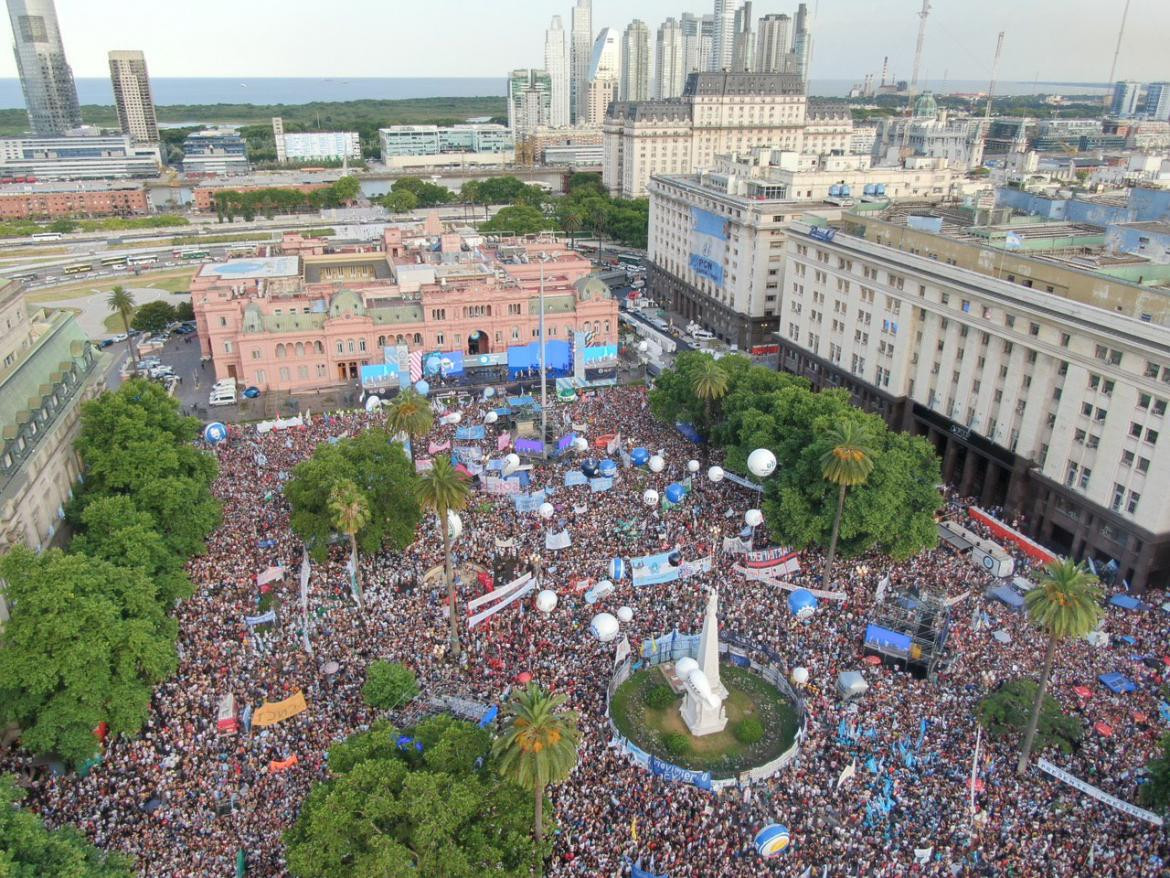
[600, 484]
[741, 481]
[472, 433]
[666, 771]
[526, 503]
[467, 453]
[653, 569]
[575, 477]
[525, 589]
[253, 621]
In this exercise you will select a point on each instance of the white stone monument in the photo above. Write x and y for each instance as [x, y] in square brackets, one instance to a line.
[702, 708]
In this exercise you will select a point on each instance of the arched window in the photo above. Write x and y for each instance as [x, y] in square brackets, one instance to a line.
[300, 349]
[418, 338]
[320, 347]
[280, 352]
[350, 345]
[607, 329]
[361, 344]
[398, 339]
[381, 341]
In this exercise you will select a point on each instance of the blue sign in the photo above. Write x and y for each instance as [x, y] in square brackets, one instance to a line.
[822, 234]
[666, 771]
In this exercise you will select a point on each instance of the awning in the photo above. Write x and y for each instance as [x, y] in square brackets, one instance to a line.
[1118, 683]
[1126, 602]
[953, 538]
[1005, 594]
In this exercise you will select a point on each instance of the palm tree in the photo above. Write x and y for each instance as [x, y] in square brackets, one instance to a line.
[709, 385]
[444, 489]
[538, 745]
[410, 413]
[847, 464]
[121, 302]
[351, 512]
[598, 220]
[1065, 606]
[571, 222]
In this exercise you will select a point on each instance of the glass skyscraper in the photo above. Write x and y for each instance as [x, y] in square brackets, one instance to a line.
[45, 76]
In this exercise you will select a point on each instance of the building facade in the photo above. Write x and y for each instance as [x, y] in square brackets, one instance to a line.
[133, 97]
[45, 76]
[635, 62]
[1049, 406]
[670, 72]
[558, 65]
[577, 146]
[407, 146]
[1157, 106]
[529, 101]
[1124, 102]
[54, 200]
[604, 80]
[315, 145]
[743, 44]
[215, 151]
[311, 321]
[723, 38]
[580, 55]
[48, 369]
[772, 47]
[88, 156]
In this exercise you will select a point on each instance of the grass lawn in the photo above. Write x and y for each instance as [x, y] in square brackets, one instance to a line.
[174, 281]
[721, 753]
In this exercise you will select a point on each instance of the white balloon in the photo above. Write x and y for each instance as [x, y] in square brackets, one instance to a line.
[643, 346]
[546, 510]
[454, 417]
[454, 525]
[657, 464]
[715, 474]
[692, 466]
[490, 418]
[625, 614]
[753, 518]
[650, 497]
[800, 676]
[511, 462]
[762, 462]
[373, 403]
[581, 444]
[604, 627]
[546, 601]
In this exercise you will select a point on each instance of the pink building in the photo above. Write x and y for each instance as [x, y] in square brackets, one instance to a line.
[313, 319]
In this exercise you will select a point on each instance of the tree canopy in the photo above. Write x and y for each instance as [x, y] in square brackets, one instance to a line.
[426, 193]
[154, 316]
[28, 849]
[517, 219]
[501, 190]
[85, 644]
[379, 469]
[422, 803]
[1005, 713]
[893, 511]
[389, 685]
[1156, 791]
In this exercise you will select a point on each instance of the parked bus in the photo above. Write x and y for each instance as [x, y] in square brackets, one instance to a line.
[189, 253]
[79, 268]
[627, 259]
[47, 236]
[113, 261]
[142, 260]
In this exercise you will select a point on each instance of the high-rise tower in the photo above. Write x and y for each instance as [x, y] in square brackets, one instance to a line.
[670, 60]
[724, 36]
[133, 97]
[556, 62]
[772, 44]
[580, 55]
[802, 41]
[45, 78]
[635, 62]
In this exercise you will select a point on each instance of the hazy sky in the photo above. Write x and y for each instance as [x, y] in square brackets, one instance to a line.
[1061, 40]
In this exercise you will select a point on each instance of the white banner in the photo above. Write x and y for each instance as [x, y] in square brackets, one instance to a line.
[505, 544]
[305, 602]
[278, 424]
[253, 621]
[768, 577]
[472, 621]
[623, 651]
[270, 575]
[500, 593]
[561, 540]
[734, 546]
[1098, 794]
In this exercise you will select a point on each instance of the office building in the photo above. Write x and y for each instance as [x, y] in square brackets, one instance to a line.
[635, 62]
[215, 151]
[1043, 388]
[133, 97]
[717, 113]
[715, 240]
[723, 36]
[529, 101]
[930, 132]
[558, 66]
[690, 25]
[743, 47]
[1157, 106]
[1124, 103]
[772, 50]
[314, 320]
[25, 201]
[89, 155]
[45, 76]
[421, 146]
[604, 78]
[312, 146]
[49, 368]
[580, 57]
[576, 147]
[669, 60]
[802, 42]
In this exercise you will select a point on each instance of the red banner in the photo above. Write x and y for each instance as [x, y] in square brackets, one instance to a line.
[1029, 547]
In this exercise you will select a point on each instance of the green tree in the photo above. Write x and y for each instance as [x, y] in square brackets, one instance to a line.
[185, 311]
[1065, 606]
[428, 194]
[443, 490]
[153, 316]
[393, 810]
[410, 413]
[1006, 712]
[379, 469]
[400, 201]
[846, 464]
[350, 512]
[710, 384]
[121, 302]
[86, 643]
[1156, 791]
[570, 218]
[389, 685]
[597, 217]
[537, 745]
[516, 219]
[28, 849]
[347, 189]
[113, 530]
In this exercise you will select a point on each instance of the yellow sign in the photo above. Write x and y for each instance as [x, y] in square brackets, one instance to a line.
[269, 714]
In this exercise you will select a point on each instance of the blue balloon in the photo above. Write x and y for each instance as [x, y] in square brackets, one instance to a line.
[640, 456]
[802, 603]
[608, 468]
[214, 433]
[675, 492]
[589, 467]
[422, 387]
[617, 569]
[771, 840]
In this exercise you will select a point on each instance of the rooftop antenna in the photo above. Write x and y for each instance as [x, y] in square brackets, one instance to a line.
[1116, 52]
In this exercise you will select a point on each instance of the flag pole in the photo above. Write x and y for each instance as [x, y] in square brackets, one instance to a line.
[543, 376]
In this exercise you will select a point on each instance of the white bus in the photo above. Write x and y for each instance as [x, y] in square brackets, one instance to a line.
[142, 260]
[47, 236]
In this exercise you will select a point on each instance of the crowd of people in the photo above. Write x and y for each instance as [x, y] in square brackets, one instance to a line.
[184, 798]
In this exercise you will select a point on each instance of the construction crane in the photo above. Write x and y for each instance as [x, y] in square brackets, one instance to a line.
[990, 95]
[918, 49]
[1117, 51]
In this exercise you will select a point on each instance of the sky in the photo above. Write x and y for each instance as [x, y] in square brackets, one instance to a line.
[1054, 40]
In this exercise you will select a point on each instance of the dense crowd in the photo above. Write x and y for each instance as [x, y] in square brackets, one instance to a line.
[183, 798]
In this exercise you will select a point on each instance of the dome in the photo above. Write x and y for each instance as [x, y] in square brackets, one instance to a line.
[925, 107]
[591, 288]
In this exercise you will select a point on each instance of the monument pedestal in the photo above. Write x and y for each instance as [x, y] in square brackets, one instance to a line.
[701, 718]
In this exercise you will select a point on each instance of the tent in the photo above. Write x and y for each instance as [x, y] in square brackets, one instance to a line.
[1007, 595]
[850, 684]
[1126, 602]
[1118, 682]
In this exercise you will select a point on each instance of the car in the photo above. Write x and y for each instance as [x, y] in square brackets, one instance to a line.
[251, 392]
[185, 330]
[121, 336]
[105, 342]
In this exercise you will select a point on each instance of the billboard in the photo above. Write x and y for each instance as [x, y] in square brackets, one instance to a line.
[443, 363]
[709, 236]
[379, 375]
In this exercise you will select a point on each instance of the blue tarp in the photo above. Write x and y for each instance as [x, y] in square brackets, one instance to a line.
[575, 477]
[689, 432]
[520, 401]
[464, 433]
[1009, 597]
[1126, 602]
[887, 641]
[1118, 683]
